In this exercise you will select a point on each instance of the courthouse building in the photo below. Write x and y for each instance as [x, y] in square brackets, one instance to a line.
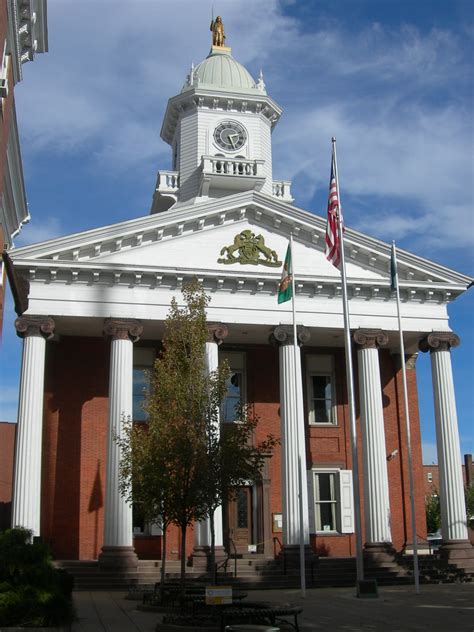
[97, 304]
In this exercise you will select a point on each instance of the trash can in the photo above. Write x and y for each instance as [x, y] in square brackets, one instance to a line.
[251, 628]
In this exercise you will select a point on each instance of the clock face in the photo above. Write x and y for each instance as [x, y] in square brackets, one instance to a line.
[230, 135]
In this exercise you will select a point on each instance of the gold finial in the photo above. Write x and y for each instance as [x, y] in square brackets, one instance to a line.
[218, 34]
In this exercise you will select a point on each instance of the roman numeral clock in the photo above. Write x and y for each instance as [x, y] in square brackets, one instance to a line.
[230, 136]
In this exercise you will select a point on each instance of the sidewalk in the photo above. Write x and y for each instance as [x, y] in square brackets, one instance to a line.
[439, 608]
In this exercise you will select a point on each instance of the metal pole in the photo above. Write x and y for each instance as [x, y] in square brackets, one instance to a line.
[407, 422]
[350, 385]
[299, 430]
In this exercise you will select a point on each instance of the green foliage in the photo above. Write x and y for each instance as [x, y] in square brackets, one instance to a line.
[32, 591]
[433, 509]
[469, 496]
[433, 513]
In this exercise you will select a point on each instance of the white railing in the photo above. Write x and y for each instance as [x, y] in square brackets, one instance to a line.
[219, 165]
[168, 181]
[282, 189]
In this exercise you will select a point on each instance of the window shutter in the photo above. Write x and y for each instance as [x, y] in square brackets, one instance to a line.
[347, 505]
[311, 518]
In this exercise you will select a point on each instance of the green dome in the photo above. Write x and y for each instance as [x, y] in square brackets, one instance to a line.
[221, 70]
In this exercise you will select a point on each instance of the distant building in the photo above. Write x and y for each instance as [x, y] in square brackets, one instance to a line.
[431, 475]
[23, 34]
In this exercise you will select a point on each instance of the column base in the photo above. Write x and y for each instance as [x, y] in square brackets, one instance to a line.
[379, 552]
[291, 554]
[460, 553]
[118, 557]
[202, 557]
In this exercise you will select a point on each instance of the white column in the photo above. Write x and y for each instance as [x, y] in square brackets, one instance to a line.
[202, 530]
[451, 486]
[34, 330]
[118, 523]
[293, 440]
[376, 492]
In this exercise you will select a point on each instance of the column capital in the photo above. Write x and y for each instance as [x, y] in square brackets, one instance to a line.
[439, 341]
[38, 326]
[123, 329]
[370, 338]
[283, 335]
[217, 332]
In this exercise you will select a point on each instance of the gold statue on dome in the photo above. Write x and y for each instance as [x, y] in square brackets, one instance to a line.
[218, 34]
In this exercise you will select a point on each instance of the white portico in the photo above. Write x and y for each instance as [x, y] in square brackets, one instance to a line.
[219, 216]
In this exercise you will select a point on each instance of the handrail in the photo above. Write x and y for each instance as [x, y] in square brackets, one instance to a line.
[225, 561]
[282, 550]
[231, 541]
[223, 565]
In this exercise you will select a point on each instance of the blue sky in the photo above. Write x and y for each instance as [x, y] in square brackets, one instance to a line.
[391, 79]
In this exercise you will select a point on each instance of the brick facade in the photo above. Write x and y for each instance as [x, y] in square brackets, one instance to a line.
[74, 447]
[7, 443]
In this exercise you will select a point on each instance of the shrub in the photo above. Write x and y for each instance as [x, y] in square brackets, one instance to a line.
[32, 592]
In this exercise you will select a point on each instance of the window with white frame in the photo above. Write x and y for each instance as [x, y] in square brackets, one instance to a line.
[321, 389]
[236, 385]
[330, 501]
[143, 360]
[4, 74]
[325, 501]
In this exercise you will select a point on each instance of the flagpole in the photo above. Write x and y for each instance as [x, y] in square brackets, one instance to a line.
[350, 386]
[407, 422]
[299, 422]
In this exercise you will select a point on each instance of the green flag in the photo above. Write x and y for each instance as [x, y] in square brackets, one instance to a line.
[393, 269]
[285, 290]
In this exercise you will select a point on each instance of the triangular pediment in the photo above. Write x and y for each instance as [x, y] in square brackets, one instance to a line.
[189, 241]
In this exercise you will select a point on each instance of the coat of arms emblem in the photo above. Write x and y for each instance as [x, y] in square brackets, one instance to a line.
[249, 248]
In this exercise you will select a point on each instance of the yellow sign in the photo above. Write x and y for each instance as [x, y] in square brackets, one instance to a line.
[218, 595]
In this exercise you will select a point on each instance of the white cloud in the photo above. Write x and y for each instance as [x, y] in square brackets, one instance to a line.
[39, 229]
[404, 127]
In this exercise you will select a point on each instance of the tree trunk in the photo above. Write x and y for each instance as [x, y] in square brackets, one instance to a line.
[213, 549]
[183, 562]
[163, 562]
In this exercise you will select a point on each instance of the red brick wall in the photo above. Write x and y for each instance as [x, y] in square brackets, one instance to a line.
[74, 446]
[396, 439]
[7, 443]
[75, 427]
[263, 392]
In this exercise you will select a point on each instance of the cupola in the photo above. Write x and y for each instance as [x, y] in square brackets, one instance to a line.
[219, 127]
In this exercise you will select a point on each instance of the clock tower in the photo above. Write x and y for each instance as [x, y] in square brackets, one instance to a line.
[219, 128]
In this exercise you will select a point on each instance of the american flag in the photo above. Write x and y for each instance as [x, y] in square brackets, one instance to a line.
[333, 251]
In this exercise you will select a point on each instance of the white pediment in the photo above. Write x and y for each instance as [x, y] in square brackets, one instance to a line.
[188, 241]
[205, 250]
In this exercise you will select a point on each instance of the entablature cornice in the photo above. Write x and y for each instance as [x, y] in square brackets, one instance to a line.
[217, 100]
[242, 281]
[83, 252]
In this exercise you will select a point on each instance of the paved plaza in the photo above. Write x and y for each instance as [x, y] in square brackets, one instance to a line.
[438, 608]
